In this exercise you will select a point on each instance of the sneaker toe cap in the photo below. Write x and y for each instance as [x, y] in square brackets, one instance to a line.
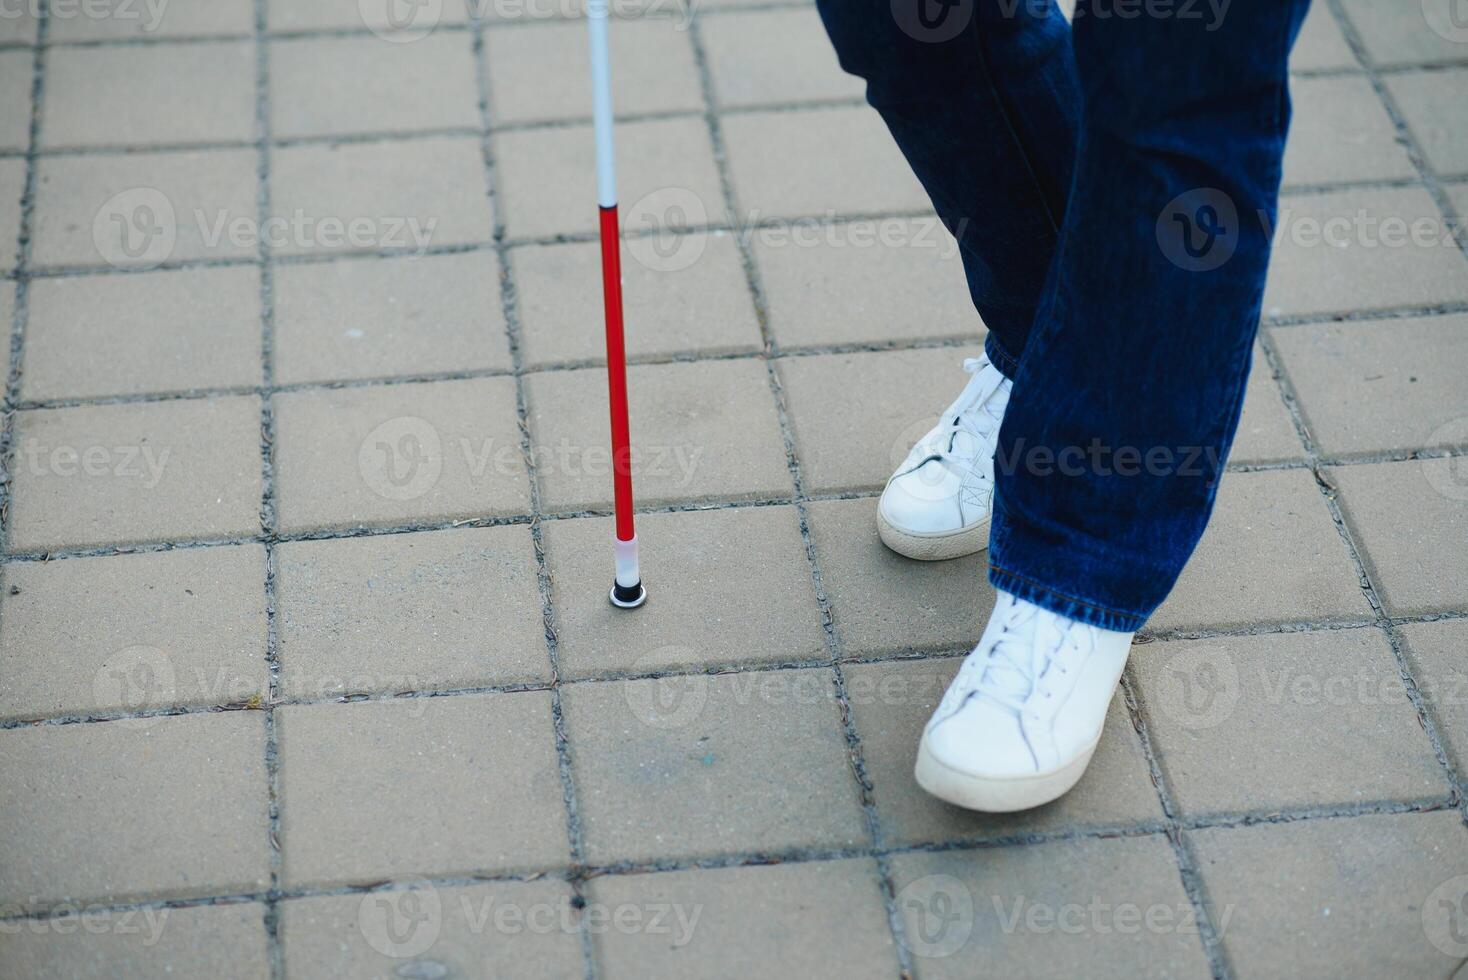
[982, 739]
[922, 503]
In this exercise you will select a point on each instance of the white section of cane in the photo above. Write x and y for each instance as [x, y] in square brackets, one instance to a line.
[601, 103]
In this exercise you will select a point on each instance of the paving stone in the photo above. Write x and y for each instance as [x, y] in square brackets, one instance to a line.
[119, 20]
[1435, 115]
[732, 586]
[1369, 896]
[541, 72]
[1341, 132]
[748, 922]
[1429, 32]
[1377, 386]
[424, 786]
[860, 282]
[546, 177]
[121, 811]
[446, 450]
[693, 301]
[378, 15]
[115, 474]
[1435, 651]
[504, 929]
[390, 196]
[16, 68]
[1271, 554]
[143, 209]
[402, 612]
[1321, 46]
[711, 764]
[366, 84]
[153, 332]
[12, 184]
[1094, 908]
[1216, 707]
[1265, 433]
[776, 56]
[155, 94]
[20, 26]
[133, 632]
[1410, 520]
[883, 602]
[856, 416]
[1356, 264]
[892, 702]
[766, 184]
[383, 318]
[700, 431]
[141, 944]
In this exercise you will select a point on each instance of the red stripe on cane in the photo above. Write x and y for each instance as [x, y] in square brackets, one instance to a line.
[611, 274]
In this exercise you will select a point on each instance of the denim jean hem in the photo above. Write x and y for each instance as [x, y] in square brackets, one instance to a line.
[1000, 357]
[1062, 604]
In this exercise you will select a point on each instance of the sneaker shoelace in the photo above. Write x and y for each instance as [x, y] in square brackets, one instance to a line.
[1020, 656]
[970, 426]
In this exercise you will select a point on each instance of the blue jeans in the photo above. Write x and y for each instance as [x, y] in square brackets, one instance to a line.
[1112, 186]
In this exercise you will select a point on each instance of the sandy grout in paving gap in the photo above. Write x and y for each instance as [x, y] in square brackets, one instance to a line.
[864, 785]
[796, 856]
[20, 311]
[509, 304]
[714, 669]
[268, 507]
[1427, 177]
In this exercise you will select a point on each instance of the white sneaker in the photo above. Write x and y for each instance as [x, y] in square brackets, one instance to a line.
[1019, 723]
[937, 504]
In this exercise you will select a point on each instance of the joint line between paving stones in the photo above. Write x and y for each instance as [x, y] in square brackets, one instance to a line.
[508, 300]
[341, 533]
[1408, 138]
[1188, 872]
[795, 856]
[1390, 631]
[883, 656]
[20, 310]
[864, 786]
[1388, 625]
[268, 504]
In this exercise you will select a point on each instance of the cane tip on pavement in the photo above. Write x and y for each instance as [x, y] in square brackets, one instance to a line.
[628, 596]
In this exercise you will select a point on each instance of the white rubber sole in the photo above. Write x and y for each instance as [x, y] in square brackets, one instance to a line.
[933, 547]
[997, 795]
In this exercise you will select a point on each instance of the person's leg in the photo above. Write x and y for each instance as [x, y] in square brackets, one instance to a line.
[1126, 401]
[981, 96]
[1130, 388]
